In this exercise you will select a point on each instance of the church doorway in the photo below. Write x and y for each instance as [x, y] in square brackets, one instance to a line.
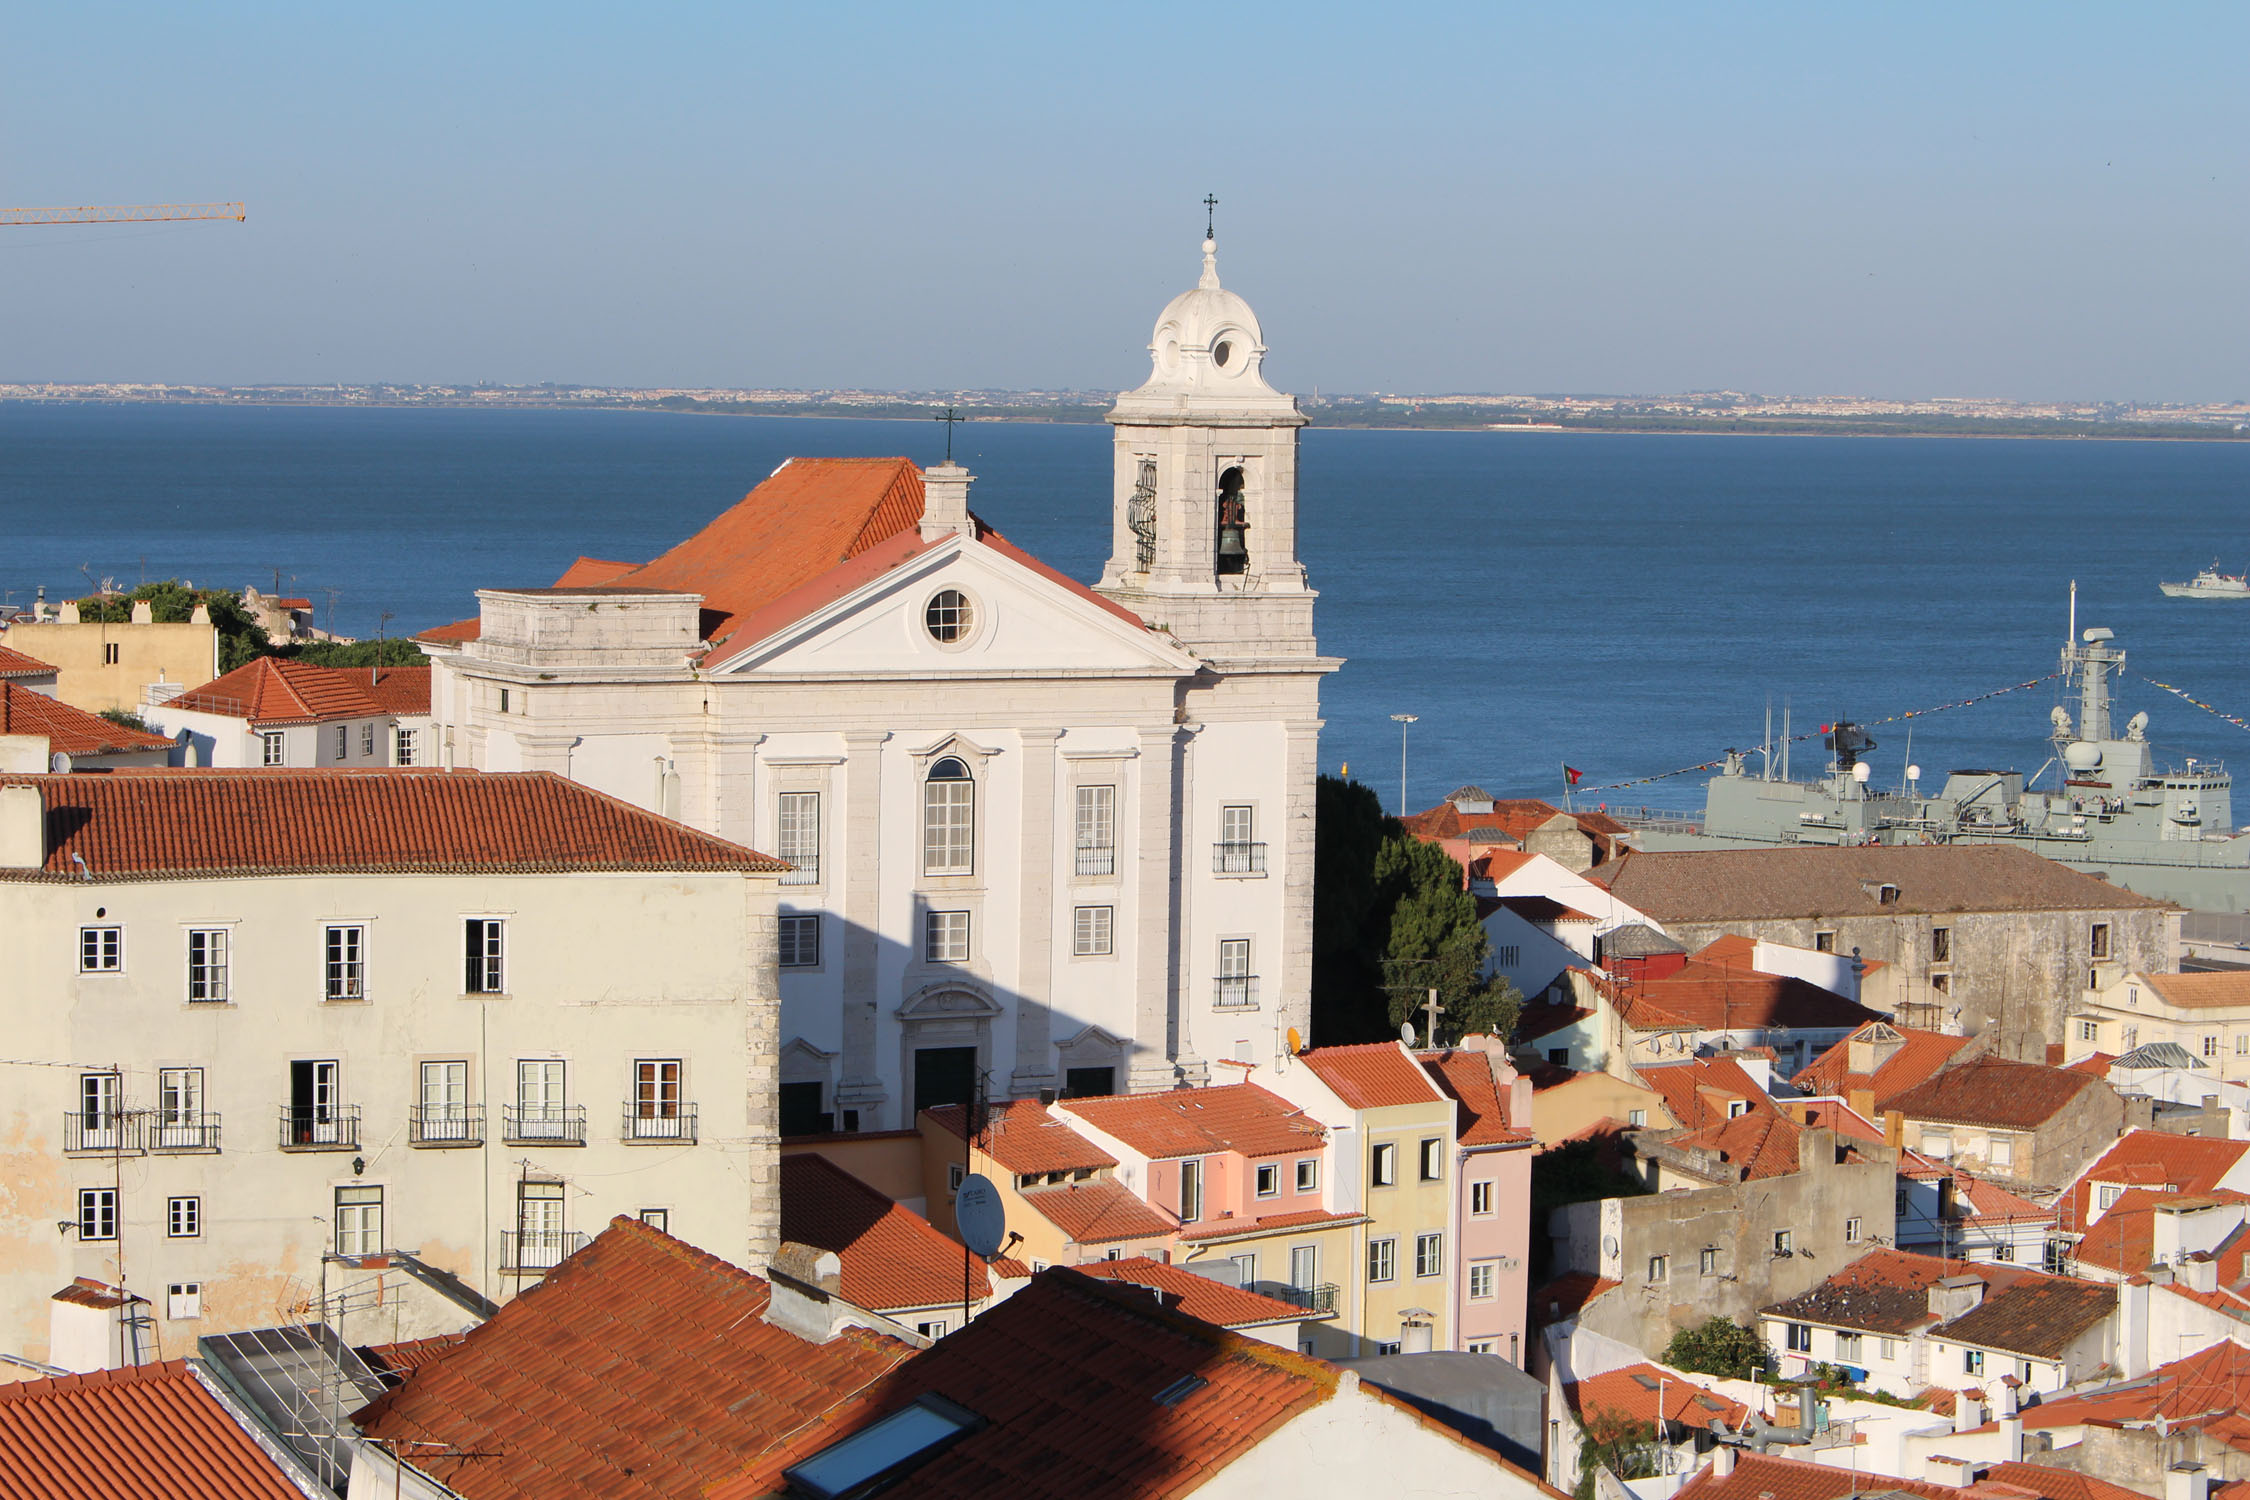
[944, 1075]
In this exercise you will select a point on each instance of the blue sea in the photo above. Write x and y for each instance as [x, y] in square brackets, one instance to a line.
[1625, 604]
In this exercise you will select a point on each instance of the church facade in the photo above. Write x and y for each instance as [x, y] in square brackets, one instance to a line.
[1044, 835]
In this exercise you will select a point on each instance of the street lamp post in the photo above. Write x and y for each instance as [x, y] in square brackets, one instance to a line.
[1402, 720]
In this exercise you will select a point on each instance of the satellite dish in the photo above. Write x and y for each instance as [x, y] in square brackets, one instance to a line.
[1609, 1245]
[1406, 1032]
[978, 1214]
[1296, 1041]
[59, 763]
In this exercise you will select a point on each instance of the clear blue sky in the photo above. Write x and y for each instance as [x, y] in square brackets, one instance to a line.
[2026, 201]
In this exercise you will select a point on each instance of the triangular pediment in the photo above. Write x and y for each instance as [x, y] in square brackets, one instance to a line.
[1020, 621]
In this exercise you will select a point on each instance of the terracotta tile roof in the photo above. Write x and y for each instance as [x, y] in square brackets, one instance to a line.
[2151, 1158]
[639, 1368]
[592, 572]
[1917, 1055]
[394, 1362]
[2038, 1315]
[1698, 1092]
[1760, 1476]
[271, 692]
[1731, 951]
[1207, 1230]
[1067, 1373]
[1200, 1296]
[1025, 1137]
[1567, 1296]
[2123, 1240]
[1101, 1212]
[1887, 1292]
[1190, 1122]
[145, 1432]
[1498, 865]
[2219, 988]
[157, 823]
[1762, 1143]
[1513, 817]
[1995, 1091]
[69, 731]
[1373, 1075]
[893, 1257]
[1537, 1021]
[1466, 1078]
[1719, 997]
[2093, 1064]
[1727, 885]
[2186, 1392]
[1633, 1392]
[453, 634]
[15, 664]
[1995, 1204]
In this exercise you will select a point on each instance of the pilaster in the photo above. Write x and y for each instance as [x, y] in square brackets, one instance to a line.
[1035, 1053]
[861, 1087]
[761, 1081]
[1293, 993]
[1157, 900]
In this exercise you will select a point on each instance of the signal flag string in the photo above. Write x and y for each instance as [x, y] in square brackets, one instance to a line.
[1811, 734]
[2216, 713]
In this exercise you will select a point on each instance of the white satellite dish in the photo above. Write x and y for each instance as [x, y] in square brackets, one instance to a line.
[1406, 1032]
[978, 1214]
[1913, 773]
[1609, 1245]
[59, 763]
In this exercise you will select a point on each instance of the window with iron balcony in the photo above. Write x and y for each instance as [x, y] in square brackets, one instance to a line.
[1095, 830]
[1238, 852]
[797, 836]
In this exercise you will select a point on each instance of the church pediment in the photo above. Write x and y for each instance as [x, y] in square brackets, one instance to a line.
[949, 1001]
[961, 608]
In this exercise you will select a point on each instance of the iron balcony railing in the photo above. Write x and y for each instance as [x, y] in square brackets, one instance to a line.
[660, 1122]
[179, 1134]
[1313, 1299]
[1101, 860]
[446, 1125]
[1237, 991]
[538, 1249]
[805, 870]
[544, 1124]
[1238, 859]
[320, 1127]
[111, 1130]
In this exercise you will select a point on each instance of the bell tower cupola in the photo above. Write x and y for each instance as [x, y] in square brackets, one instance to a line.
[1204, 527]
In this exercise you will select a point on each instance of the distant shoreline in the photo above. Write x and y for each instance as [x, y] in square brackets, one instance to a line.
[1076, 415]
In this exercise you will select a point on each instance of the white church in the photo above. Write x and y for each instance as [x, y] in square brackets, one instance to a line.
[1046, 835]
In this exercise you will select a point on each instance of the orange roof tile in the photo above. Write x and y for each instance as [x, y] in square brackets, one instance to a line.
[1699, 1092]
[1567, 1296]
[641, 1367]
[1372, 1075]
[1514, 818]
[1761, 1143]
[1190, 1122]
[1995, 1091]
[272, 691]
[1101, 1212]
[2217, 989]
[152, 824]
[1761, 1476]
[69, 731]
[153, 1431]
[1208, 1230]
[1023, 1136]
[893, 1257]
[1992, 1202]
[592, 572]
[2151, 1158]
[1918, 1055]
[1200, 1296]
[1066, 1374]
[16, 664]
[1886, 1291]
[1633, 1392]
[1466, 1078]
[1721, 997]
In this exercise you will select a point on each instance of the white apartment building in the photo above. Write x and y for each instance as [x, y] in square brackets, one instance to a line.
[273, 712]
[271, 1034]
[1057, 836]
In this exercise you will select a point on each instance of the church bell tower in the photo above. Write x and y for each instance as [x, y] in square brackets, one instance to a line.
[1204, 531]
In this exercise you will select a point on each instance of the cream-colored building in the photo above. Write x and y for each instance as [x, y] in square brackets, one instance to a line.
[2208, 1014]
[1054, 835]
[276, 1034]
[273, 712]
[99, 665]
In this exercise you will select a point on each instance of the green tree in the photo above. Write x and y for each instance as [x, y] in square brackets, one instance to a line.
[1347, 972]
[1433, 940]
[172, 602]
[1626, 1446]
[390, 652]
[1720, 1347]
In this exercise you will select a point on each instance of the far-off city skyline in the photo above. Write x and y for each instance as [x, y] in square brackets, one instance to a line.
[2017, 203]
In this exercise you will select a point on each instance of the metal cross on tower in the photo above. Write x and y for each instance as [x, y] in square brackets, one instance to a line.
[1210, 216]
[949, 419]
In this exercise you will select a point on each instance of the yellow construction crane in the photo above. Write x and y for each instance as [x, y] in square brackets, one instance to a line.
[141, 213]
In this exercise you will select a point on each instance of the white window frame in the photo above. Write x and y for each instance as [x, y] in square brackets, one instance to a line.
[367, 739]
[1094, 829]
[101, 948]
[183, 1301]
[1430, 1159]
[1267, 1180]
[1308, 1174]
[273, 748]
[796, 835]
[1191, 1190]
[949, 820]
[1484, 1280]
[208, 966]
[1429, 1254]
[403, 747]
[1382, 1259]
[1798, 1337]
[343, 741]
[1382, 1164]
[183, 1217]
[359, 1219]
[1851, 1231]
[343, 949]
[97, 1214]
[1850, 1347]
[1093, 932]
[1480, 1199]
[484, 953]
[945, 937]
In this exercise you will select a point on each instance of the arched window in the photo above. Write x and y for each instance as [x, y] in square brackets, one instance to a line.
[949, 818]
[1140, 515]
[1234, 525]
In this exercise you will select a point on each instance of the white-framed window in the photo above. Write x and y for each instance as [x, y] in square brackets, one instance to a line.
[1480, 1197]
[1429, 1255]
[1848, 1347]
[797, 836]
[1972, 1361]
[1886, 1348]
[1484, 1278]
[955, 1175]
[100, 1120]
[97, 1213]
[542, 1109]
[207, 966]
[1851, 1231]
[1382, 1260]
[949, 617]
[656, 1091]
[2000, 1151]
[2210, 1045]
[1737, 1108]
[179, 1106]
[1824, 942]
[949, 815]
[1388, 1346]
[1093, 931]
[405, 743]
[1432, 1157]
[1308, 1174]
[183, 1218]
[945, 937]
[359, 1220]
[1269, 1180]
[1659, 1268]
[1239, 852]
[343, 741]
[2089, 1031]
[101, 950]
[1636, 1117]
[346, 971]
[931, 1328]
[800, 941]
[658, 1219]
[270, 748]
[1237, 985]
[2242, 1044]
[486, 972]
[367, 738]
[1799, 1337]
[445, 1101]
[1191, 1190]
[1382, 1164]
[1480, 1346]
[2106, 1195]
[1784, 1243]
[2004, 1250]
[1095, 830]
[183, 1300]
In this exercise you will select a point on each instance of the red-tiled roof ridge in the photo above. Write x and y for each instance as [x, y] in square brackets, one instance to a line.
[1372, 1075]
[1919, 1055]
[592, 572]
[1101, 1212]
[238, 823]
[1240, 1117]
[1024, 1136]
[1199, 1296]
[68, 730]
[14, 663]
[273, 690]
[892, 1257]
[641, 1367]
[1483, 1107]
[1633, 1391]
[140, 1430]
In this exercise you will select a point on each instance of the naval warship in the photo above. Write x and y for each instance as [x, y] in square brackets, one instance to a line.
[2166, 833]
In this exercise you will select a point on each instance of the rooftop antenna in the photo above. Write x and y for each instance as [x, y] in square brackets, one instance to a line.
[2070, 636]
[1765, 749]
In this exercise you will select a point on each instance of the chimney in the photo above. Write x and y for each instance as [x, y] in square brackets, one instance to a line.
[144, 613]
[805, 1283]
[2187, 1481]
[945, 502]
[94, 1326]
[2199, 1273]
[2007, 1406]
[2164, 1237]
[1968, 1410]
[1960, 1473]
[23, 828]
[1415, 1331]
[1953, 1296]
[1722, 1460]
[25, 754]
[68, 615]
[1894, 1125]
